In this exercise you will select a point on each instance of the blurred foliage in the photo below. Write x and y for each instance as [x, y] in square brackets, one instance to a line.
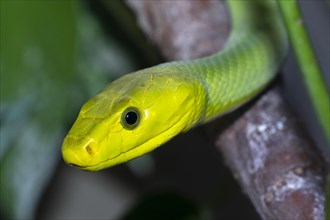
[327, 198]
[124, 22]
[37, 69]
[54, 55]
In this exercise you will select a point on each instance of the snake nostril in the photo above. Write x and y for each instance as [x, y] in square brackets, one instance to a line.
[89, 150]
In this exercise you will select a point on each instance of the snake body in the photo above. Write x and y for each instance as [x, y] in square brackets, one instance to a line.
[142, 110]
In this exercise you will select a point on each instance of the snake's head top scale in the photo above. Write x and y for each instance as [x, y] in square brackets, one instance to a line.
[132, 116]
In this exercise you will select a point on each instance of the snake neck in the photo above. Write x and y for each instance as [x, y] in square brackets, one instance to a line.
[249, 61]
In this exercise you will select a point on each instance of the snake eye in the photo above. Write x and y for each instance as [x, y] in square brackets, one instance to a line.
[130, 118]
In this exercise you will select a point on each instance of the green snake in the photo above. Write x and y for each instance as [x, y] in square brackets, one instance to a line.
[142, 110]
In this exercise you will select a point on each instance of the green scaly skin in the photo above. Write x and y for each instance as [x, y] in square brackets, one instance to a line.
[171, 98]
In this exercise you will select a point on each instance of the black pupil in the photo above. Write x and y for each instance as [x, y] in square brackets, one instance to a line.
[131, 118]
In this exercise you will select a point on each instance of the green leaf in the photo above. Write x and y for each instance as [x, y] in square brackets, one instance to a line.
[37, 68]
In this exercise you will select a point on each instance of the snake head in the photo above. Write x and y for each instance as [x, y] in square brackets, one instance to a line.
[132, 116]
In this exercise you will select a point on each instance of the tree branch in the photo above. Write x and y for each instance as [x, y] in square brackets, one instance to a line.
[269, 153]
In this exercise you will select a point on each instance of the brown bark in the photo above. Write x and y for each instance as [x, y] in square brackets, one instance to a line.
[267, 150]
[274, 161]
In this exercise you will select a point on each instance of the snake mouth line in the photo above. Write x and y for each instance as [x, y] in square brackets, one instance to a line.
[75, 165]
[114, 158]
